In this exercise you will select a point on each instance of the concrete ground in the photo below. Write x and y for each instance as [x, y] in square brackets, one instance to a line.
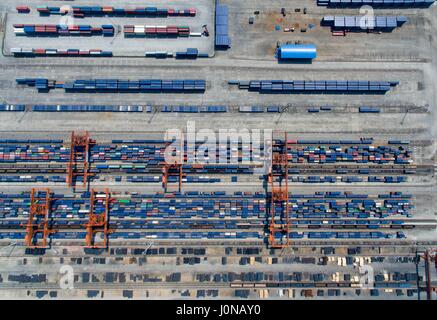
[407, 55]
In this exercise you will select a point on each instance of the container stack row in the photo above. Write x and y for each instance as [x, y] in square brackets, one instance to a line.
[156, 206]
[23, 9]
[353, 153]
[32, 141]
[229, 215]
[369, 110]
[322, 86]
[50, 30]
[12, 107]
[130, 179]
[21, 52]
[360, 23]
[32, 179]
[194, 109]
[377, 3]
[345, 179]
[116, 85]
[190, 53]
[156, 31]
[89, 108]
[322, 108]
[114, 108]
[151, 167]
[82, 11]
[152, 153]
[222, 39]
[345, 235]
[251, 109]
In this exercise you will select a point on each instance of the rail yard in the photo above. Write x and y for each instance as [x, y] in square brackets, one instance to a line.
[144, 155]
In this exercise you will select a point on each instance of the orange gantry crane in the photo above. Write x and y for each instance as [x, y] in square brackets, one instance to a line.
[98, 222]
[279, 194]
[174, 168]
[79, 158]
[38, 222]
[429, 256]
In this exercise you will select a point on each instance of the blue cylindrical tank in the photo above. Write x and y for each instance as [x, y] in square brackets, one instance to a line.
[297, 51]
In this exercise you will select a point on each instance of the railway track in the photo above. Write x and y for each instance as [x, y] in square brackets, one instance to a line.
[378, 169]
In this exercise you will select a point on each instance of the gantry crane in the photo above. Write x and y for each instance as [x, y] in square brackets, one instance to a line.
[38, 221]
[78, 164]
[279, 194]
[428, 256]
[174, 168]
[98, 222]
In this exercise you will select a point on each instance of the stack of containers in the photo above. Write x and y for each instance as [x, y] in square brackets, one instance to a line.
[191, 53]
[115, 85]
[369, 110]
[44, 10]
[213, 109]
[184, 31]
[23, 9]
[41, 84]
[61, 30]
[349, 211]
[11, 107]
[153, 31]
[19, 30]
[222, 39]
[107, 30]
[318, 86]
[87, 108]
[356, 23]
[60, 52]
[355, 151]
[82, 11]
[251, 109]
[172, 31]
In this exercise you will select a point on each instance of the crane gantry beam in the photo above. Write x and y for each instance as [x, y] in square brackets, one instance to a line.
[98, 222]
[78, 165]
[174, 168]
[38, 221]
[279, 194]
